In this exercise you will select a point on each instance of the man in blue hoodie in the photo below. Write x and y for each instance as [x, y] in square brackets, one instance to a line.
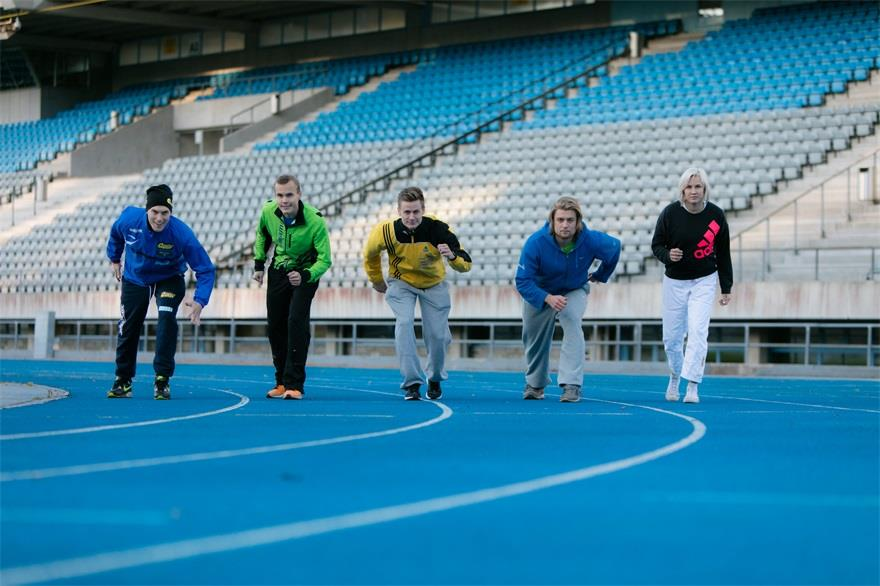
[158, 248]
[554, 280]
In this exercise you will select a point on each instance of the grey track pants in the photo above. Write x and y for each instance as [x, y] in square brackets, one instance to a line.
[537, 335]
[435, 305]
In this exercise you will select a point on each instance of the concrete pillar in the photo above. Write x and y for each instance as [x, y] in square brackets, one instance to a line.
[756, 354]
[635, 44]
[40, 189]
[866, 182]
[44, 335]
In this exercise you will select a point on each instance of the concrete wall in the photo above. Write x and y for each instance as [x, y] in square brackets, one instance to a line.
[420, 33]
[35, 103]
[54, 100]
[736, 9]
[751, 301]
[218, 113]
[20, 105]
[646, 10]
[417, 34]
[130, 149]
[295, 105]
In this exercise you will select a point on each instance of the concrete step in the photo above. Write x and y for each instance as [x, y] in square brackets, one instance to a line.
[671, 44]
[862, 92]
[835, 170]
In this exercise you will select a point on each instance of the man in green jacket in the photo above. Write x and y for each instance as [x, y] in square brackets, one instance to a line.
[302, 255]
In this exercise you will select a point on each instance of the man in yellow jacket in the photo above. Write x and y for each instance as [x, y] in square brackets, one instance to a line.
[416, 245]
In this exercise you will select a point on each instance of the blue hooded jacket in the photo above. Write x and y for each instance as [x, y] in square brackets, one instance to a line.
[545, 270]
[151, 256]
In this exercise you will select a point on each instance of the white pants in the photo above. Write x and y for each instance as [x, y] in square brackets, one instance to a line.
[687, 307]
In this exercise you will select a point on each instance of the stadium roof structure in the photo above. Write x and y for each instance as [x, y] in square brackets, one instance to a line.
[103, 25]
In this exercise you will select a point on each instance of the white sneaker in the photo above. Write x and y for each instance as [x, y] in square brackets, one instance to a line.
[672, 389]
[691, 396]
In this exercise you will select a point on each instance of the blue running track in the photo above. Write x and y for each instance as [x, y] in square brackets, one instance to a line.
[766, 481]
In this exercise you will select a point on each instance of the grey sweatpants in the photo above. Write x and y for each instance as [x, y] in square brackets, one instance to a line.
[537, 335]
[435, 305]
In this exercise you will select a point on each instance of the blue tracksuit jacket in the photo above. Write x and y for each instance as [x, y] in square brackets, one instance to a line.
[544, 269]
[151, 256]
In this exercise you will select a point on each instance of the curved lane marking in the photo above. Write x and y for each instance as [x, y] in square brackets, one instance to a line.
[165, 552]
[754, 400]
[41, 473]
[17, 436]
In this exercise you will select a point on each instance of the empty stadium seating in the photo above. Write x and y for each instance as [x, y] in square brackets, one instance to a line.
[732, 103]
[458, 87]
[24, 144]
[776, 59]
[340, 74]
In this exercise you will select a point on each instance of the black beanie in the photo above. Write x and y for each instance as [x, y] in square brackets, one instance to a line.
[159, 195]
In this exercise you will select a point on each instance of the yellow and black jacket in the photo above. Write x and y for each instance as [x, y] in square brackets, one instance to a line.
[412, 255]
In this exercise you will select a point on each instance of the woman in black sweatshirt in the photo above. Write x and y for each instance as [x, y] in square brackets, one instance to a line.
[692, 239]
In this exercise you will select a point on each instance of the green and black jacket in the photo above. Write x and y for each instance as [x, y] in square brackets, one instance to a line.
[303, 246]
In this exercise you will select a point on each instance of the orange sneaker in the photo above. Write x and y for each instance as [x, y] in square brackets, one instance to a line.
[293, 394]
[275, 393]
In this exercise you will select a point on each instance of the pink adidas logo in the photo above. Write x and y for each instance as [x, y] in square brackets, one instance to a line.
[706, 246]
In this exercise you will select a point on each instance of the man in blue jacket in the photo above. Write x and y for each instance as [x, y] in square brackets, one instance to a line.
[158, 248]
[553, 278]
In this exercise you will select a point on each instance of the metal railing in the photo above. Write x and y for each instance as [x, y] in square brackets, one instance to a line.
[846, 261]
[250, 110]
[274, 79]
[794, 206]
[814, 263]
[30, 186]
[806, 343]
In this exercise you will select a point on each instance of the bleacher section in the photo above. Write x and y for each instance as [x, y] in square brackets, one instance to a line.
[442, 96]
[219, 196]
[24, 144]
[619, 147]
[623, 174]
[14, 184]
[340, 74]
[777, 59]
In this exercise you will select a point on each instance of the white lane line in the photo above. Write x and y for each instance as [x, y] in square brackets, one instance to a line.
[611, 389]
[343, 415]
[41, 473]
[105, 562]
[777, 411]
[812, 406]
[242, 401]
[540, 413]
[704, 396]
